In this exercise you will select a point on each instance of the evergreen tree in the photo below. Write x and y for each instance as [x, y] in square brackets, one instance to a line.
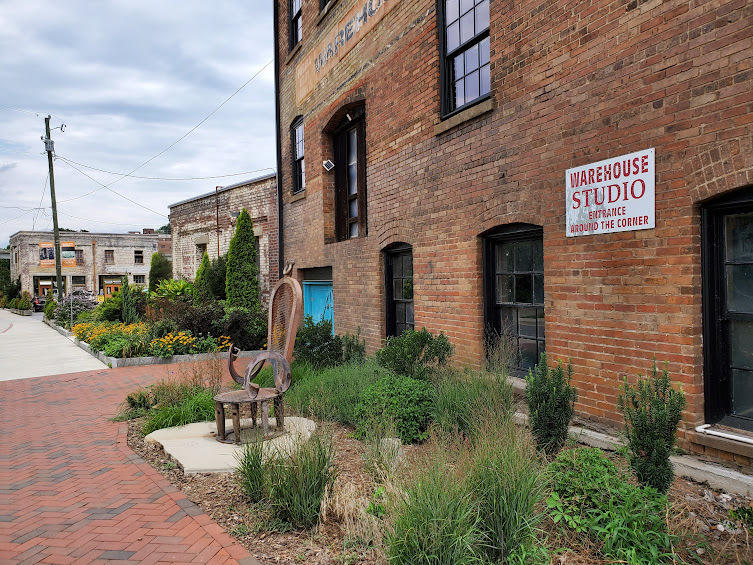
[241, 279]
[128, 306]
[201, 284]
[216, 277]
[160, 269]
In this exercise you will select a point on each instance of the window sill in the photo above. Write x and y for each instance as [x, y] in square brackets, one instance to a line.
[293, 53]
[464, 116]
[298, 196]
[325, 11]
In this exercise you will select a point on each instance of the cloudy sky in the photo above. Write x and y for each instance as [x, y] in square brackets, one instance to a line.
[128, 79]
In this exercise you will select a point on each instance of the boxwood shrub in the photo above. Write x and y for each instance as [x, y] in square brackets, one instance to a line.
[406, 402]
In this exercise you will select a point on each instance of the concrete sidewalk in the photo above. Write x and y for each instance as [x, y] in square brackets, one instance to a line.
[30, 348]
[72, 491]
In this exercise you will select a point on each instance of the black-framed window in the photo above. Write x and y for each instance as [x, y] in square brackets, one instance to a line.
[514, 291]
[138, 257]
[299, 164]
[398, 283]
[296, 22]
[465, 71]
[109, 256]
[350, 176]
[727, 259]
[78, 280]
[139, 279]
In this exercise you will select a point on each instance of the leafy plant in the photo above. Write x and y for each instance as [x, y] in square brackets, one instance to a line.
[200, 284]
[415, 354]
[242, 274]
[160, 269]
[247, 328]
[509, 480]
[652, 411]
[316, 345]
[69, 308]
[297, 481]
[404, 401]
[591, 495]
[50, 305]
[128, 304]
[110, 309]
[354, 348]
[216, 278]
[24, 304]
[198, 407]
[173, 289]
[250, 470]
[437, 522]
[551, 405]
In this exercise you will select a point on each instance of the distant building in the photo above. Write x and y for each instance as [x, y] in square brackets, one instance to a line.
[95, 262]
[165, 245]
[206, 223]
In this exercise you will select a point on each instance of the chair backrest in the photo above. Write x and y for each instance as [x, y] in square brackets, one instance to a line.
[285, 312]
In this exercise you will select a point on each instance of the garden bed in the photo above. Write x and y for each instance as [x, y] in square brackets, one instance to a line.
[21, 312]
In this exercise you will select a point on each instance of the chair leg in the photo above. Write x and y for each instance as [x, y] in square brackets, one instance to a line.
[236, 415]
[265, 416]
[279, 413]
[219, 418]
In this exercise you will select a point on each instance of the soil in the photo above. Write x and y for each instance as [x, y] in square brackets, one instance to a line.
[340, 539]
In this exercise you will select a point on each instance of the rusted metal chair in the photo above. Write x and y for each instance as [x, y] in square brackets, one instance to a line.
[285, 312]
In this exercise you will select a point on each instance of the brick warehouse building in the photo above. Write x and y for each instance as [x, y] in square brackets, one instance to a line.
[452, 164]
[207, 223]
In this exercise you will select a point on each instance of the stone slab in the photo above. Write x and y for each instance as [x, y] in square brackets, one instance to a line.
[194, 446]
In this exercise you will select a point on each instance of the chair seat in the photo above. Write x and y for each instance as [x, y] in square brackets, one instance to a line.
[239, 396]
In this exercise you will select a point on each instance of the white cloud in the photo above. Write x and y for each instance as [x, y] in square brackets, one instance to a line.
[129, 79]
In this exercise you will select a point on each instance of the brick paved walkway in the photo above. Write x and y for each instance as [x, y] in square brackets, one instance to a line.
[72, 491]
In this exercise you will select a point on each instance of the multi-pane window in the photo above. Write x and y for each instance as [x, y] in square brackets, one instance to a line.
[399, 289]
[77, 280]
[299, 165]
[138, 257]
[515, 293]
[109, 256]
[139, 279]
[350, 178]
[79, 256]
[466, 68]
[296, 22]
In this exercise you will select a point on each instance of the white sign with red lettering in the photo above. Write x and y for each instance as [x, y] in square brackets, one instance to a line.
[613, 195]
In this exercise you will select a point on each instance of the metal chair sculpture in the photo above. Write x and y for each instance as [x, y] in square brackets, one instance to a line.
[285, 311]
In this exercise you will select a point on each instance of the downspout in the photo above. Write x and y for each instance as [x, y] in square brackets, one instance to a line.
[280, 238]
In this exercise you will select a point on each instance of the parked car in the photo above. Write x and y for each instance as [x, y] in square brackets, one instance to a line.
[38, 303]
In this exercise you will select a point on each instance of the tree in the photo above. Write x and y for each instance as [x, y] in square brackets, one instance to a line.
[165, 229]
[216, 277]
[160, 269]
[201, 284]
[128, 307]
[241, 279]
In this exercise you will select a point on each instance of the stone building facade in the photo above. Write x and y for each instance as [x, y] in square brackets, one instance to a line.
[94, 262]
[207, 223]
[448, 164]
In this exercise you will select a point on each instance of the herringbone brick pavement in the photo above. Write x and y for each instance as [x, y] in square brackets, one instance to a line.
[72, 491]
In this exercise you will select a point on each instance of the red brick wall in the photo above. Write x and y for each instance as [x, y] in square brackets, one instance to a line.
[572, 82]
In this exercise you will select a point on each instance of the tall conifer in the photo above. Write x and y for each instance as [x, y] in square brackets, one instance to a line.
[242, 278]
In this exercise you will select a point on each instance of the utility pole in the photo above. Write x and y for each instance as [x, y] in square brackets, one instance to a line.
[217, 205]
[49, 146]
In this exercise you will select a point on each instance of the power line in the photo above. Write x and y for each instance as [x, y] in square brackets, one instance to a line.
[96, 221]
[34, 223]
[163, 178]
[21, 216]
[108, 188]
[212, 113]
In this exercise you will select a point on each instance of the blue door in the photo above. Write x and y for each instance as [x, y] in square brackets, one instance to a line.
[317, 301]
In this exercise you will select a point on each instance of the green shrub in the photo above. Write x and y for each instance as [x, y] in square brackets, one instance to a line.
[464, 401]
[354, 348]
[551, 405]
[332, 393]
[198, 407]
[24, 304]
[69, 309]
[592, 496]
[3, 301]
[110, 309]
[297, 481]
[509, 481]
[242, 274]
[200, 283]
[174, 289]
[415, 354]
[216, 278]
[437, 522]
[160, 269]
[50, 305]
[128, 304]
[652, 411]
[246, 328]
[404, 401]
[250, 470]
[315, 344]
[161, 328]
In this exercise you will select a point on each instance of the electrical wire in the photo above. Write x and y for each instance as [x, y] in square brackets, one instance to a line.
[46, 180]
[162, 178]
[95, 221]
[212, 113]
[108, 188]
[21, 216]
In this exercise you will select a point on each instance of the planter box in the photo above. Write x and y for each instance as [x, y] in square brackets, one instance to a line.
[20, 312]
[114, 362]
